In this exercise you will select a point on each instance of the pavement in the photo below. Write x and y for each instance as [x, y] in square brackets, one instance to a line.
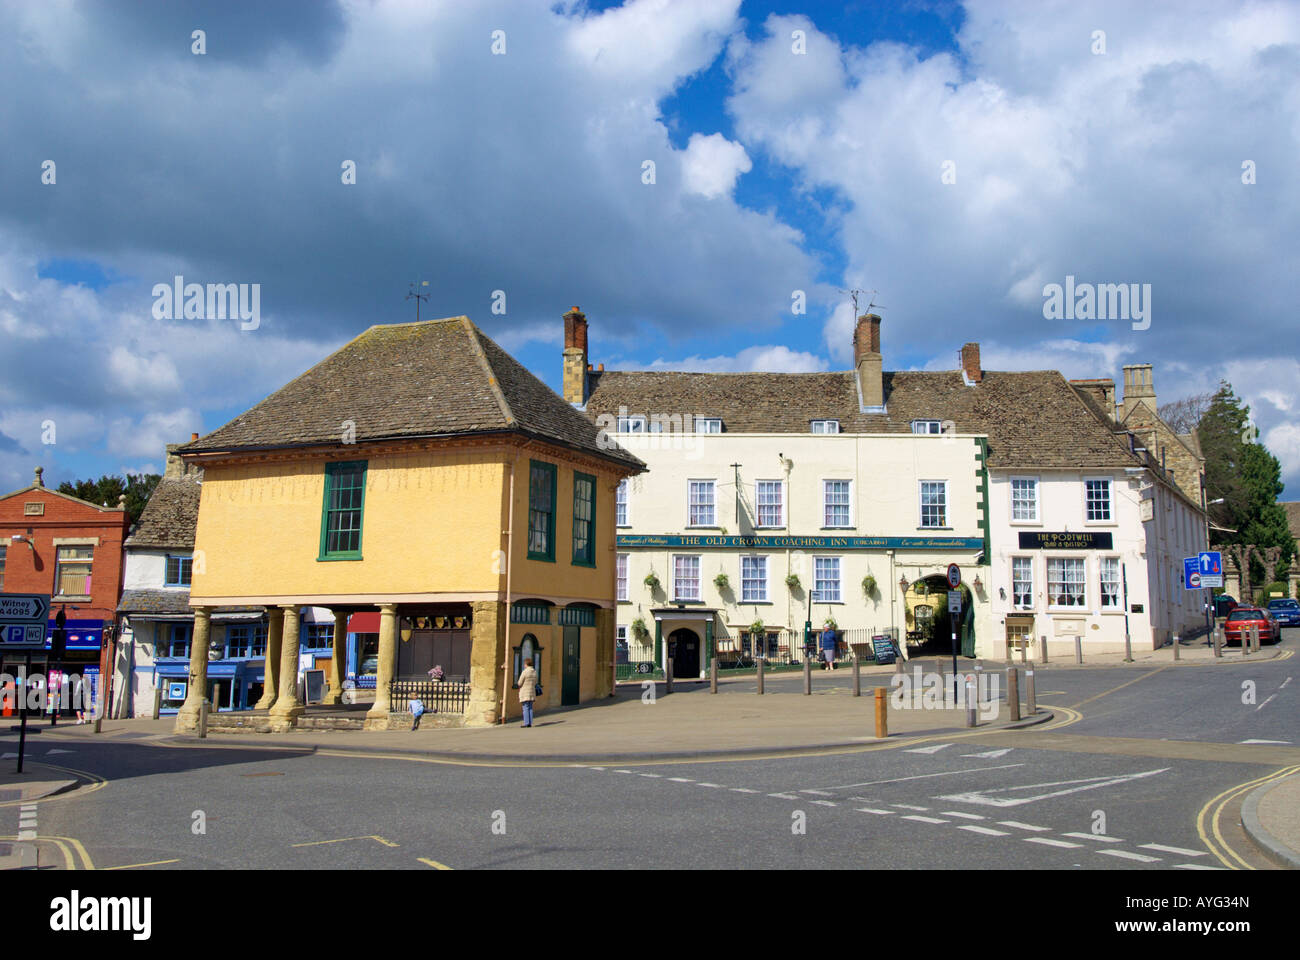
[36, 782]
[1271, 818]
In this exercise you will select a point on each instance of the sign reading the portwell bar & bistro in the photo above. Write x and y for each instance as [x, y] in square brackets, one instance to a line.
[1037, 540]
[815, 543]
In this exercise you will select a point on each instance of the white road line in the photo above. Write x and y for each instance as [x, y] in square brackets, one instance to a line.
[1130, 856]
[1099, 837]
[785, 796]
[990, 754]
[987, 831]
[1267, 741]
[1021, 826]
[908, 806]
[26, 834]
[49, 752]
[883, 813]
[913, 816]
[1284, 683]
[1069, 786]
[742, 790]
[924, 776]
[931, 749]
[1181, 851]
[964, 816]
[1050, 842]
[595, 768]
[620, 771]
[825, 803]
[681, 779]
[819, 793]
[1266, 702]
[27, 821]
[655, 775]
[1196, 866]
[715, 786]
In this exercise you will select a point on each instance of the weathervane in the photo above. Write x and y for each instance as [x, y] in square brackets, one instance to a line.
[417, 297]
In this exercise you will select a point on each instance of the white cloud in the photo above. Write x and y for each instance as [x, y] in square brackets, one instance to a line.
[767, 359]
[150, 434]
[711, 165]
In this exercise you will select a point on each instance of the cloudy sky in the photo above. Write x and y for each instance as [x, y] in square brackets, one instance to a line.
[954, 158]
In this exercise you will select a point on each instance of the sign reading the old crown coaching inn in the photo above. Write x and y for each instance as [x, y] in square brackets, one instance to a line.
[1038, 540]
[800, 543]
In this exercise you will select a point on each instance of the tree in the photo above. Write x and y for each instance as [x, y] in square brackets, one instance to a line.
[1185, 415]
[107, 489]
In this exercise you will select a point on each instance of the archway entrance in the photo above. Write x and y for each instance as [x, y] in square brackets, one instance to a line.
[930, 625]
[684, 651]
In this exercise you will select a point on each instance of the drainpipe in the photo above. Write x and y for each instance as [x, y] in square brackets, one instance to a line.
[510, 544]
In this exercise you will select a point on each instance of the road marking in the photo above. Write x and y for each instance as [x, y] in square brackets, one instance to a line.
[742, 790]
[132, 866]
[7, 756]
[1021, 826]
[433, 863]
[1129, 683]
[319, 843]
[27, 822]
[934, 749]
[620, 771]
[715, 786]
[820, 793]
[1130, 856]
[1283, 742]
[924, 776]
[1284, 683]
[785, 796]
[1087, 783]
[913, 816]
[681, 779]
[655, 775]
[1266, 702]
[595, 768]
[1207, 821]
[883, 813]
[987, 831]
[1178, 850]
[964, 816]
[908, 806]
[1196, 866]
[825, 803]
[1050, 842]
[990, 754]
[50, 753]
[1099, 837]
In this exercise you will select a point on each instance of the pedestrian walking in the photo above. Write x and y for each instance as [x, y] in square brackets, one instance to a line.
[828, 648]
[528, 690]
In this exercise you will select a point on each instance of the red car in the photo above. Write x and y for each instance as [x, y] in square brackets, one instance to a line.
[1242, 618]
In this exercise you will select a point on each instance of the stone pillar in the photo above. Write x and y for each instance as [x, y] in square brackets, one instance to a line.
[187, 718]
[271, 668]
[605, 652]
[487, 654]
[339, 658]
[288, 708]
[377, 715]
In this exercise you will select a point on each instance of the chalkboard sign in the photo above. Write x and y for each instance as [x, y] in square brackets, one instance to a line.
[315, 683]
[884, 649]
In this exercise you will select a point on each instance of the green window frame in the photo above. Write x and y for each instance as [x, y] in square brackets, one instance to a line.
[342, 511]
[584, 519]
[541, 510]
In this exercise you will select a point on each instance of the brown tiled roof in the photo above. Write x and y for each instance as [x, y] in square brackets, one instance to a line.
[1292, 508]
[169, 603]
[169, 518]
[436, 378]
[1032, 419]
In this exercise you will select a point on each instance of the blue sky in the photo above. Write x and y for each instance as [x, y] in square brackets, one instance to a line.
[955, 158]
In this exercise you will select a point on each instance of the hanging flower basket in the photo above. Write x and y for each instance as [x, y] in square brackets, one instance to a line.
[869, 585]
[756, 629]
[652, 580]
[722, 582]
[830, 622]
[792, 581]
[639, 629]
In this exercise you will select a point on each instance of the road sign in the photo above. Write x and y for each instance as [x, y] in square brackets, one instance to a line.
[954, 576]
[22, 636]
[24, 608]
[954, 601]
[1192, 573]
[1210, 567]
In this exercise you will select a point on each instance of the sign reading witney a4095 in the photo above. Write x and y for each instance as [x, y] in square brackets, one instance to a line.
[22, 620]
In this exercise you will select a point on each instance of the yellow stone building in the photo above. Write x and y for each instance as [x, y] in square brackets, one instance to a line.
[422, 472]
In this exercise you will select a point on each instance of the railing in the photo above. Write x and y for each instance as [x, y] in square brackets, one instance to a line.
[438, 696]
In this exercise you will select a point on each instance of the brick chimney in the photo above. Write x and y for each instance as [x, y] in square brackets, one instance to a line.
[869, 362]
[1138, 388]
[575, 357]
[970, 363]
[1102, 392]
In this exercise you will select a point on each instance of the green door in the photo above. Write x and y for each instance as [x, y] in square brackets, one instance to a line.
[572, 666]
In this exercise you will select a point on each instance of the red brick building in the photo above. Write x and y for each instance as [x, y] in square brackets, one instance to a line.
[71, 549]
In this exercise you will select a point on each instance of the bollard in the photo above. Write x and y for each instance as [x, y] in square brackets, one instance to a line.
[979, 675]
[807, 676]
[1031, 698]
[157, 702]
[898, 666]
[1042, 648]
[203, 718]
[857, 677]
[1128, 647]
[970, 700]
[1013, 693]
[1078, 649]
[713, 675]
[668, 675]
[1218, 642]
[1254, 638]
[760, 675]
[882, 716]
[1176, 657]
[99, 724]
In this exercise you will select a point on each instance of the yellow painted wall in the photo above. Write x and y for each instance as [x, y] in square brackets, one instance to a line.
[431, 522]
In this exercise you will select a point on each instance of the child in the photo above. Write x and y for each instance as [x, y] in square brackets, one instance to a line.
[417, 711]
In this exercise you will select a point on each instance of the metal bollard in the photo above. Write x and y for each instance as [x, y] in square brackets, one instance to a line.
[759, 675]
[882, 715]
[1078, 649]
[1031, 698]
[1128, 647]
[668, 675]
[1013, 693]
[979, 675]
[713, 675]
[970, 699]
[1176, 657]
[807, 676]
[1218, 642]
[157, 702]
[203, 718]
[1042, 648]
[1254, 639]
[857, 677]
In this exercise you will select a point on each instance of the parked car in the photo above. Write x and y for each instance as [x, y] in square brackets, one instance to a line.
[1242, 618]
[1223, 605]
[1286, 612]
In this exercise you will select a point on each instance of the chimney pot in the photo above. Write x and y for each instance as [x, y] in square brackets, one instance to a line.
[193, 437]
[970, 362]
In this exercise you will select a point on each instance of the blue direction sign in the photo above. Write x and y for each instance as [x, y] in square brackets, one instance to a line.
[1210, 566]
[1192, 573]
[22, 620]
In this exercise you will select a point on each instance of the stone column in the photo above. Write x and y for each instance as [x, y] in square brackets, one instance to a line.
[605, 652]
[377, 715]
[339, 659]
[271, 668]
[288, 708]
[187, 718]
[487, 654]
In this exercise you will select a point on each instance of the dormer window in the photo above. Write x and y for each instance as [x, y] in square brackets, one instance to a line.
[825, 426]
[708, 424]
[926, 426]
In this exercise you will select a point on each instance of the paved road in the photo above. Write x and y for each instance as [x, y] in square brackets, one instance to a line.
[1112, 785]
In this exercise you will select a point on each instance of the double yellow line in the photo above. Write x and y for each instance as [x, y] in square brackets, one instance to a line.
[1208, 820]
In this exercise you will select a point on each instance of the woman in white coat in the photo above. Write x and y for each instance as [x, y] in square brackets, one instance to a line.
[528, 690]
